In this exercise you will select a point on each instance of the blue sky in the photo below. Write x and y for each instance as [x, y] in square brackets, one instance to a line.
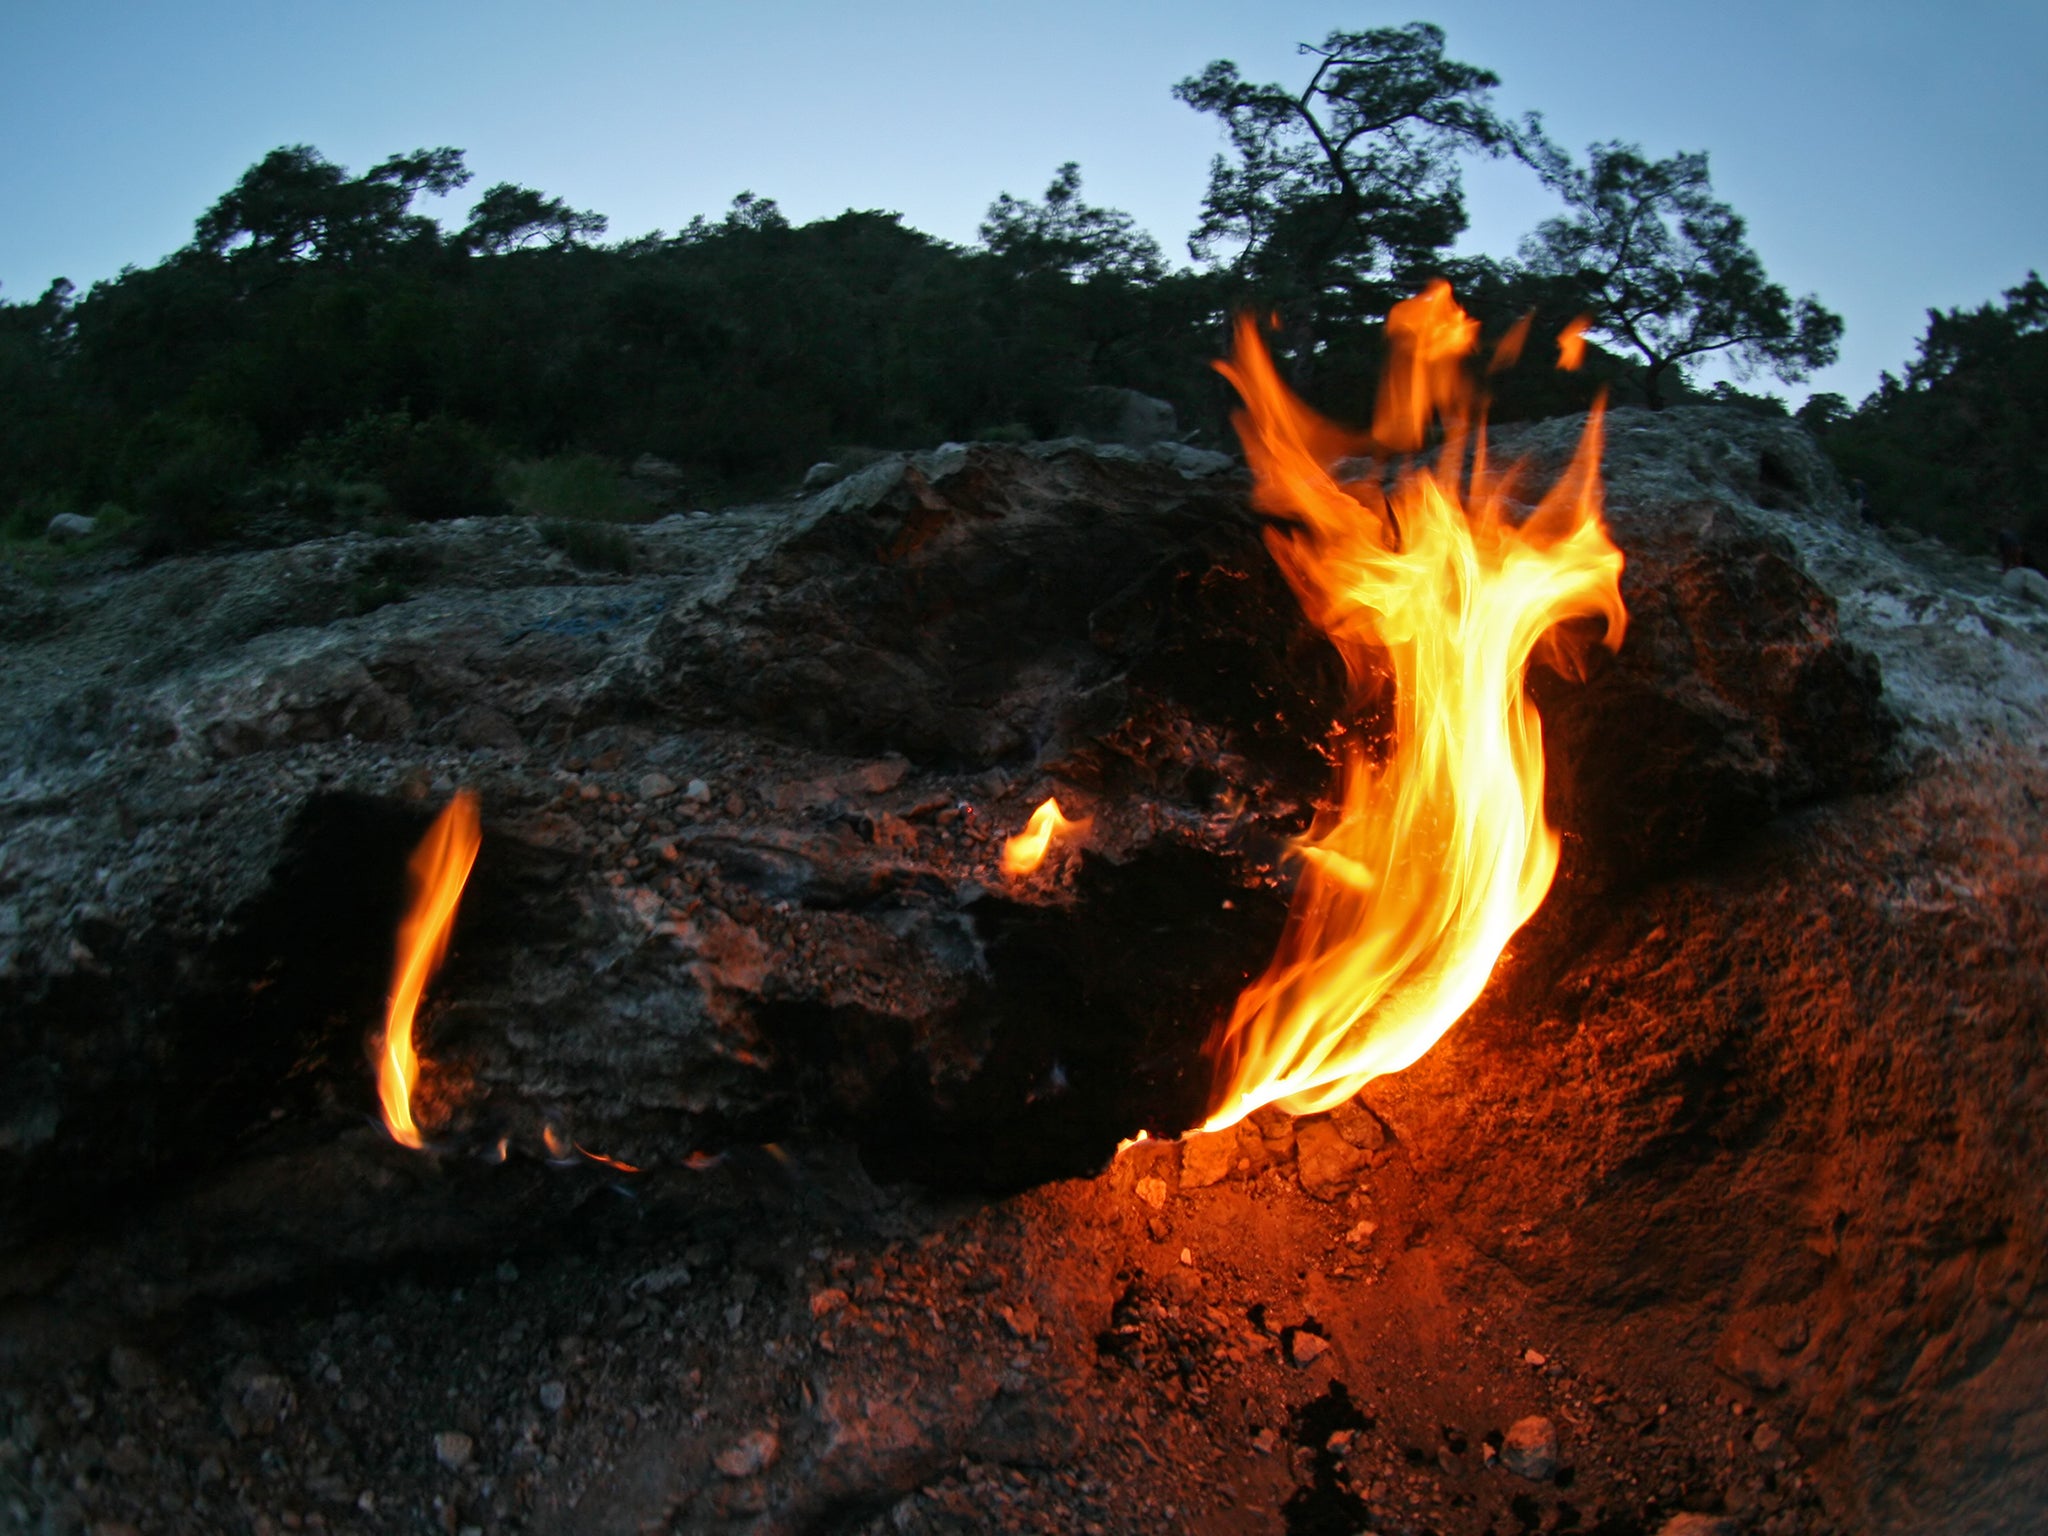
[1889, 156]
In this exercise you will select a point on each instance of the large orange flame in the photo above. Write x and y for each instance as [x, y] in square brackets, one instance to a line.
[439, 869]
[1432, 855]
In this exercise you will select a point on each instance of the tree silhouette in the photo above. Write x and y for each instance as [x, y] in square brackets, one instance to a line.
[1666, 268]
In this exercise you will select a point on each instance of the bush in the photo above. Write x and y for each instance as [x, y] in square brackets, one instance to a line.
[430, 470]
[578, 487]
[188, 477]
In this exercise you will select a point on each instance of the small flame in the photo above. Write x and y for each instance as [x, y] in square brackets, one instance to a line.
[440, 867]
[1571, 343]
[1432, 854]
[1026, 851]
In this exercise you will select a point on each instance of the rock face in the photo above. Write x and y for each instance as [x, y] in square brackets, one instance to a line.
[1750, 1078]
[219, 764]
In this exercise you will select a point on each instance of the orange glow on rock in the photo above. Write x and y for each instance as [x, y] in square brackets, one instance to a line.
[1026, 851]
[440, 867]
[1432, 852]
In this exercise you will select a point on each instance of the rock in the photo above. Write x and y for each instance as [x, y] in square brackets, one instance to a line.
[130, 1368]
[1111, 415]
[2024, 581]
[255, 1399]
[69, 528]
[656, 786]
[698, 791]
[657, 480]
[1359, 1126]
[819, 476]
[1152, 1191]
[1190, 461]
[1207, 1158]
[1361, 1233]
[453, 1449]
[750, 1455]
[1327, 1164]
[1304, 1347]
[824, 1303]
[1699, 1525]
[1265, 1441]
[1530, 1448]
[553, 1394]
[1535, 1357]
[478, 725]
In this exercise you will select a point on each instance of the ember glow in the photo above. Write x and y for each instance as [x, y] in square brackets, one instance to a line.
[1026, 851]
[1433, 852]
[439, 869]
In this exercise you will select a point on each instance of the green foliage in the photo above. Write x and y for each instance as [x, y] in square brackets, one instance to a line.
[578, 487]
[187, 476]
[1065, 237]
[1666, 269]
[510, 217]
[1341, 196]
[1958, 447]
[428, 470]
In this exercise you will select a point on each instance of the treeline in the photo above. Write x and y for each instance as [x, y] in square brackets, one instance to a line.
[1958, 445]
[323, 355]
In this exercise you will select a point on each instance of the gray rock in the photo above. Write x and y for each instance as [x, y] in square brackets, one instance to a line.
[453, 1449]
[1111, 415]
[819, 476]
[553, 1394]
[1530, 1448]
[69, 528]
[2023, 581]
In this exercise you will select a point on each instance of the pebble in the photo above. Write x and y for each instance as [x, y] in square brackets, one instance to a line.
[553, 1394]
[1698, 1525]
[1306, 1347]
[656, 786]
[1535, 1357]
[1264, 1441]
[749, 1455]
[826, 1302]
[1530, 1449]
[697, 790]
[1153, 1192]
[453, 1449]
[1207, 1159]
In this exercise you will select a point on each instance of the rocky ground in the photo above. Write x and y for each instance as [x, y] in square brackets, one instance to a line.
[1722, 1206]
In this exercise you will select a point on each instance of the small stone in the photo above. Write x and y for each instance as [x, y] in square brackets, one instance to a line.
[735, 805]
[1359, 1126]
[1698, 1525]
[1766, 1441]
[1207, 1159]
[131, 1369]
[553, 1394]
[1535, 1357]
[1022, 1320]
[1264, 1442]
[749, 1455]
[1187, 1256]
[822, 474]
[1153, 1192]
[1361, 1234]
[1305, 1347]
[453, 1449]
[697, 790]
[1327, 1163]
[656, 786]
[826, 1302]
[1530, 1449]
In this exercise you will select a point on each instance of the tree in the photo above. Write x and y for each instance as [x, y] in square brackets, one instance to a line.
[294, 204]
[508, 217]
[1337, 197]
[1066, 236]
[1667, 270]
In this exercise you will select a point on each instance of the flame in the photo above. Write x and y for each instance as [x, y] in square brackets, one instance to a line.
[439, 868]
[1571, 343]
[1026, 851]
[1431, 855]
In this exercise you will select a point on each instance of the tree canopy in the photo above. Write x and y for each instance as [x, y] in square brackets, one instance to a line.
[1338, 196]
[1666, 269]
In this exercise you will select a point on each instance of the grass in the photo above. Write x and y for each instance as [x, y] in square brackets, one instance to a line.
[572, 488]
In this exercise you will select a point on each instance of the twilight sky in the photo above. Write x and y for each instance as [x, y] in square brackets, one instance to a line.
[1889, 156]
